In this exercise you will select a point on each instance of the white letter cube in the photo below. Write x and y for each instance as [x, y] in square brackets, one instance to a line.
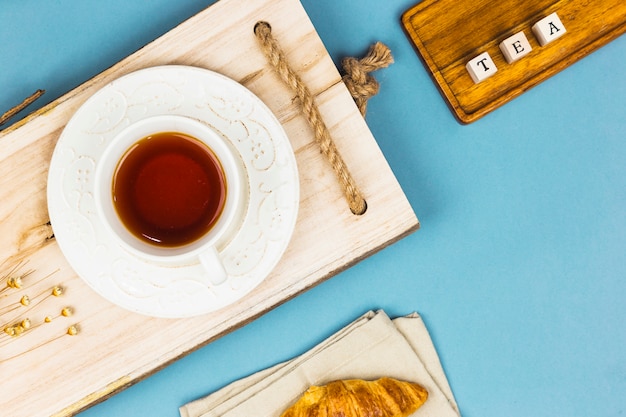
[548, 29]
[515, 47]
[481, 67]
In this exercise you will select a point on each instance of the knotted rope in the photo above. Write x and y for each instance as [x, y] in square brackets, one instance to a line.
[363, 91]
[358, 80]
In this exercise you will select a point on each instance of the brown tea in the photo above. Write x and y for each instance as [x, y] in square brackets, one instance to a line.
[169, 189]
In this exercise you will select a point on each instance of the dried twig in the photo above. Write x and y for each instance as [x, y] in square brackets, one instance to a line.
[27, 101]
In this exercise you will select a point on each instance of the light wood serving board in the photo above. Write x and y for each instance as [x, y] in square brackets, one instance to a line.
[52, 373]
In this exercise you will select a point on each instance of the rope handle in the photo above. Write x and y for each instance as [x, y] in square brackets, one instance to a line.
[361, 86]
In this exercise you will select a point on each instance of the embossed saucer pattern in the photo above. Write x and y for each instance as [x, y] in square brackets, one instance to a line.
[249, 253]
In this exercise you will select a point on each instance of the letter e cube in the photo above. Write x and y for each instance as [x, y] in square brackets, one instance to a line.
[515, 47]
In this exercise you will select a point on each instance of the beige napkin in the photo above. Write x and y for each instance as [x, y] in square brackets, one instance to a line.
[371, 347]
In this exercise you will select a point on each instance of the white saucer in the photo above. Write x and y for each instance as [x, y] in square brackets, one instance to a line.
[249, 253]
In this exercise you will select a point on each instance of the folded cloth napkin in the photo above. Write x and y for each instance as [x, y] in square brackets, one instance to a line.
[371, 347]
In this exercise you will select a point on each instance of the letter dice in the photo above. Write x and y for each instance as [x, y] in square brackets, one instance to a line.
[481, 67]
[548, 29]
[515, 47]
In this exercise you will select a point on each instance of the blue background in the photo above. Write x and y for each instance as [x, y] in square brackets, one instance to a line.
[518, 269]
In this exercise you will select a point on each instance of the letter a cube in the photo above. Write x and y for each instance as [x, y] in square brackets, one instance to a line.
[548, 29]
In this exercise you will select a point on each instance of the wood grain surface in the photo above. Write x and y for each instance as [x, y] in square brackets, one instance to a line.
[60, 374]
[449, 33]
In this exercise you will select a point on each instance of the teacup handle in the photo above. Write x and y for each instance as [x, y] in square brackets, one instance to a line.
[212, 264]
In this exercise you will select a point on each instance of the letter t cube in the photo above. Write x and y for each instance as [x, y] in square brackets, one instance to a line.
[481, 67]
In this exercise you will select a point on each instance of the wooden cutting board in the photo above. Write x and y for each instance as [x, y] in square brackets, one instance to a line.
[55, 373]
[449, 33]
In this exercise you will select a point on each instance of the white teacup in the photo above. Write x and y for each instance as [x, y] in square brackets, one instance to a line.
[203, 248]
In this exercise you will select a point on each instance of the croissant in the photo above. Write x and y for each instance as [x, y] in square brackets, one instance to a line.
[385, 397]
